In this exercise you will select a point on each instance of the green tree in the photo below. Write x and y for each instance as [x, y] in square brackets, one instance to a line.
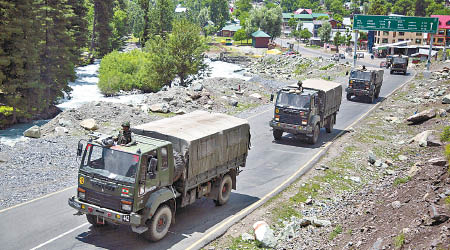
[158, 71]
[187, 47]
[120, 26]
[101, 41]
[348, 37]
[19, 59]
[145, 6]
[325, 32]
[242, 6]
[377, 7]
[305, 34]
[240, 35]
[337, 7]
[289, 5]
[293, 23]
[404, 7]
[219, 12]
[78, 26]
[161, 16]
[135, 19]
[323, 18]
[436, 8]
[268, 20]
[337, 40]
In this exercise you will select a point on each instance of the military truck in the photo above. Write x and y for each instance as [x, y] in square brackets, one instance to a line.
[365, 82]
[304, 108]
[173, 162]
[399, 64]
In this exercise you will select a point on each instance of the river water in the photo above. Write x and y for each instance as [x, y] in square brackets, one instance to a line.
[84, 89]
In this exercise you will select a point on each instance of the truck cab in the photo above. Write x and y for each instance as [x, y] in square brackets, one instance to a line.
[303, 109]
[365, 82]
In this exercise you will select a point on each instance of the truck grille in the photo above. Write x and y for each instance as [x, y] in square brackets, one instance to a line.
[290, 116]
[103, 200]
[358, 85]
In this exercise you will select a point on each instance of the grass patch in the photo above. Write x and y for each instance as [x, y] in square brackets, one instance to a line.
[309, 189]
[447, 200]
[336, 231]
[302, 67]
[237, 244]
[327, 67]
[285, 212]
[6, 110]
[400, 96]
[399, 181]
[399, 240]
[445, 135]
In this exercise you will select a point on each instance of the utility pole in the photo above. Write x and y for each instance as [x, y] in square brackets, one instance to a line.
[356, 46]
[429, 52]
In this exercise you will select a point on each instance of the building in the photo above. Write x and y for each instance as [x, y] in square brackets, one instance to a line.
[303, 11]
[442, 37]
[229, 30]
[304, 18]
[388, 37]
[260, 39]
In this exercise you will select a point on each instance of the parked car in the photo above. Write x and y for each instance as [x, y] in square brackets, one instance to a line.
[342, 56]
[360, 55]
[335, 57]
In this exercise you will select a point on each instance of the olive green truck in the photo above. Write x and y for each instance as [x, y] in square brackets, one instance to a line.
[173, 162]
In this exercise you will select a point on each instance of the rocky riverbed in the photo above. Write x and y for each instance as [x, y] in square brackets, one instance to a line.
[383, 185]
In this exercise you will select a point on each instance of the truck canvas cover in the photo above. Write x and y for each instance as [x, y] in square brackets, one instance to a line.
[207, 139]
[329, 92]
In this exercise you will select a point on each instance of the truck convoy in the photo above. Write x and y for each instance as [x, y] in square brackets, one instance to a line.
[365, 82]
[304, 108]
[173, 162]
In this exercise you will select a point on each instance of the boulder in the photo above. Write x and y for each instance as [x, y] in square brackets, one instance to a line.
[446, 99]
[432, 141]
[441, 161]
[159, 108]
[167, 98]
[372, 158]
[264, 234]
[233, 103]
[402, 158]
[422, 116]
[194, 95]
[144, 108]
[422, 138]
[321, 223]
[396, 204]
[256, 95]
[355, 179]
[33, 132]
[180, 112]
[89, 124]
[64, 123]
[197, 87]
[61, 130]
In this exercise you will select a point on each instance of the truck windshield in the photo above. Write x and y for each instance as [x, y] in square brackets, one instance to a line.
[293, 100]
[363, 75]
[110, 163]
[399, 60]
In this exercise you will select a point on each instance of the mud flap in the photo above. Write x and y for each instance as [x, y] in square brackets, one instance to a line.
[139, 230]
[100, 220]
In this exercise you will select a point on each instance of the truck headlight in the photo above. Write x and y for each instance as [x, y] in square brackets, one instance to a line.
[126, 205]
[304, 122]
[81, 193]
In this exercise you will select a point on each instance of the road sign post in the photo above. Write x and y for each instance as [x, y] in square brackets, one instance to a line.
[429, 52]
[356, 46]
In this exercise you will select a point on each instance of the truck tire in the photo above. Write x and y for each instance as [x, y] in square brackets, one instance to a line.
[330, 123]
[277, 134]
[349, 96]
[313, 140]
[92, 219]
[377, 92]
[404, 73]
[159, 225]
[392, 72]
[224, 190]
[371, 98]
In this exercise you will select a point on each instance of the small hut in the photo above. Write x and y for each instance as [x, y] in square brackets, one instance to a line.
[260, 39]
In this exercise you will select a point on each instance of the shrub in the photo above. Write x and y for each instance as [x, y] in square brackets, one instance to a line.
[445, 135]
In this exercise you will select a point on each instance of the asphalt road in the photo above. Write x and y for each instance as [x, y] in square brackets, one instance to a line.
[49, 223]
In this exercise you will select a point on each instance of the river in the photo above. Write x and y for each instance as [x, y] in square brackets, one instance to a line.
[84, 89]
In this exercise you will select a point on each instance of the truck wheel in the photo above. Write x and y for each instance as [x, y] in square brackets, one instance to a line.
[349, 96]
[404, 73]
[277, 134]
[313, 140]
[225, 189]
[391, 72]
[92, 219]
[377, 92]
[371, 99]
[159, 225]
[330, 124]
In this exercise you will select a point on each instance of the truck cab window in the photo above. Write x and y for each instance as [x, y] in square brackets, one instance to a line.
[164, 163]
[152, 163]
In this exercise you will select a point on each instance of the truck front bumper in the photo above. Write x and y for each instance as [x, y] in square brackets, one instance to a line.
[291, 128]
[358, 92]
[132, 219]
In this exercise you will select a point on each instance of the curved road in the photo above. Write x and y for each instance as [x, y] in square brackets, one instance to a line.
[48, 223]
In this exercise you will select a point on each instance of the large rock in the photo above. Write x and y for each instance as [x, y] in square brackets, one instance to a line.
[441, 161]
[61, 130]
[422, 116]
[197, 87]
[256, 95]
[33, 132]
[372, 158]
[89, 124]
[64, 123]
[159, 108]
[264, 234]
[422, 138]
[446, 99]
[321, 223]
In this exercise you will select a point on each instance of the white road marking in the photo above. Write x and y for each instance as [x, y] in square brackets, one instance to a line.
[60, 236]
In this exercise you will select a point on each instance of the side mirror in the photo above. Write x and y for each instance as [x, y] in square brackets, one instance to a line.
[271, 97]
[79, 149]
[346, 73]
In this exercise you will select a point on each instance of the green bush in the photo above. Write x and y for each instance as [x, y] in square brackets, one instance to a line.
[445, 135]
[447, 151]
[6, 110]
[327, 67]
[126, 71]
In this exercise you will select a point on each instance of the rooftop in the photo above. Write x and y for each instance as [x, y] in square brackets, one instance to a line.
[232, 27]
[259, 33]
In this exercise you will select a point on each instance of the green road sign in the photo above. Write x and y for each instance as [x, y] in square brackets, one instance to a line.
[396, 23]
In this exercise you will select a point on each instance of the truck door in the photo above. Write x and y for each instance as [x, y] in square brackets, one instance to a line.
[164, 170]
